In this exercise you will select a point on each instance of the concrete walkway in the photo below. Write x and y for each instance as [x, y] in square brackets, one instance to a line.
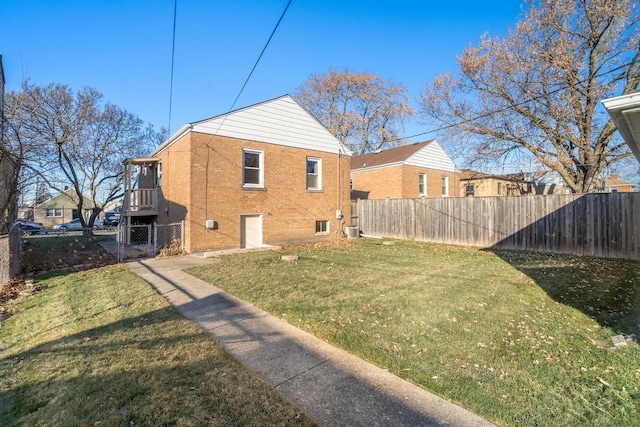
[331, 386]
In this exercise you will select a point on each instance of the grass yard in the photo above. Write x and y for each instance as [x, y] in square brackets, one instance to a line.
[100, 347]
[521, 339]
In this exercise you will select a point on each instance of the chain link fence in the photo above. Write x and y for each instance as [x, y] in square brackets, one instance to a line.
[169, 238]
[55, 250]
[82, 249]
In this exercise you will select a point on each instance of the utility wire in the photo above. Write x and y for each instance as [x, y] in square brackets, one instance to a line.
[259, 57]
[173, 52]
[510, 107]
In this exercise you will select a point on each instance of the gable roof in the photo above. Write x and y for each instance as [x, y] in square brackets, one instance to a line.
[614, 181]
[280, 121]
[427, 154]
[65, 199]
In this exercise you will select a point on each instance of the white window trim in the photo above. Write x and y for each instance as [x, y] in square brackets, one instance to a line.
[326, 232]
[445, 186]
[46, 212]
[260, 154]
[424, 183]
[159, 174]
[318, 160]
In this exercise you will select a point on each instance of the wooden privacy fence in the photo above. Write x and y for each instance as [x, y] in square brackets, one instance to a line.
[603, 225]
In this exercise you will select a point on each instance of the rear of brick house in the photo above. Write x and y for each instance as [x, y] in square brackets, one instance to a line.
[268, 174]
[410, 171]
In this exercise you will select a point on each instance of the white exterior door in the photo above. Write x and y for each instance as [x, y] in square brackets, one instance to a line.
[250, 231]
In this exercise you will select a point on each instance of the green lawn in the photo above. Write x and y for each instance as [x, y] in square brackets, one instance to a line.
[100, 347]
[518, 338]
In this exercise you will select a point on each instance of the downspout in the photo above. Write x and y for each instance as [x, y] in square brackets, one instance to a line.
[340, 220]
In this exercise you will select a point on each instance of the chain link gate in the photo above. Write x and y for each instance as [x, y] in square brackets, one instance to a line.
[139, 240]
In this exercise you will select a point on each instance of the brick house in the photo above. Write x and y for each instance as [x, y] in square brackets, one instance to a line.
[267, 174]
[479, 184]
[410, 171]
[613, 184]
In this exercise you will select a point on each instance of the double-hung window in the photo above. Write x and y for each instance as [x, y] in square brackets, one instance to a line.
[159, 174]
[314, 173]
[422, 185]
[445, 186]
[252, 168]
[469, 190]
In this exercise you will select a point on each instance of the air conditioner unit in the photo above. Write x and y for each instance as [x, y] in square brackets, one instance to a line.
[353, 232]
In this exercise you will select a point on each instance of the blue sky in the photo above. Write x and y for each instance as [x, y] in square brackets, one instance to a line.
[123, 48]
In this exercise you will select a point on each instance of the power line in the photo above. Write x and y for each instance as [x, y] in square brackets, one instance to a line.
[510, 107]
[259, 57]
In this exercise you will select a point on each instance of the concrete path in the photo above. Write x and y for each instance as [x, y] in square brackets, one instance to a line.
[331, 386]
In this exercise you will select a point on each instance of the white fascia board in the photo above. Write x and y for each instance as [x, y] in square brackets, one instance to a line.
[173, 138]
[369, 168]
[625, 112]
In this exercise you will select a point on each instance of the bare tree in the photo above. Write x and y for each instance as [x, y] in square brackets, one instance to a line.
[76, 141]
[12, 152]
[537, 90]
[362, 110]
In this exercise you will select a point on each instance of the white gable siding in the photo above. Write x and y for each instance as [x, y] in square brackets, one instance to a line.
[432, 157]
[280, 121]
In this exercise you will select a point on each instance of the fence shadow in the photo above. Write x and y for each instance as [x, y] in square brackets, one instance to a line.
[529, 232]
[607, 290]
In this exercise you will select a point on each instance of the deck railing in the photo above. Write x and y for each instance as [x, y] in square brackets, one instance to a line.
[141, 199]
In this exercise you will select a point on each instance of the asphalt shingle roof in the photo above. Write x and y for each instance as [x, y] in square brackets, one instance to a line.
[384, 157]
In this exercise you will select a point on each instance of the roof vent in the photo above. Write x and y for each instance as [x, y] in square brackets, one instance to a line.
[379, 150]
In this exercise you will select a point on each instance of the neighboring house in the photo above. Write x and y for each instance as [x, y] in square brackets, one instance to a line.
[613, 184]
[410, 171]
[546, 182]
[479, 184]
[267, 174]
[60, 209]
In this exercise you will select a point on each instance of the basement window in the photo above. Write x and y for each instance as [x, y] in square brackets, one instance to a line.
[322, 227]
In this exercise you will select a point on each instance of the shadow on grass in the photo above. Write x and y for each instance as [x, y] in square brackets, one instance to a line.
[607, 290]
[133, 371]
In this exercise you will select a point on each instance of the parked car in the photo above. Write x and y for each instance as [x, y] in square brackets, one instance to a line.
[111, 219]
[71, 225]
[30, 227]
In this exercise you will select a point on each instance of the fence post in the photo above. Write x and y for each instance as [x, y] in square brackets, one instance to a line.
[182, 235]
[153, 229]
[119, 234]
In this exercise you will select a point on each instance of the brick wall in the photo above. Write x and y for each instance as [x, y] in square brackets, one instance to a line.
[401, 182]
[379, 183]
[202, 180]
